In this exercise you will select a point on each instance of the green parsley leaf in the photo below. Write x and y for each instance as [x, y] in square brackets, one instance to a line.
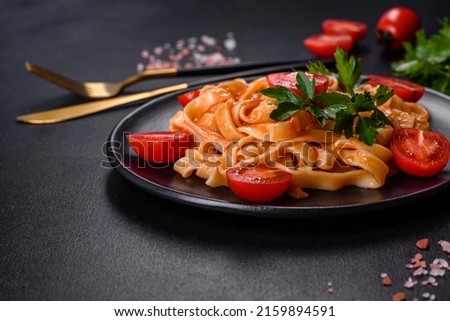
[427, 61]
[382, 95]
[318, 68]
[346, 109]
[284, 111]
[349, 70]
[282, 94]
[332, 98]
[319, 113]
[331, 111]
[366, 130]
[362, 102]
[379, 119]
[344, 123]
[305, 85]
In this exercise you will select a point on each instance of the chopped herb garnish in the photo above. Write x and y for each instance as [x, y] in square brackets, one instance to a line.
[344, 108]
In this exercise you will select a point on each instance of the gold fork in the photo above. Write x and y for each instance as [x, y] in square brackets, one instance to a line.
[71, 112]
[96, 90]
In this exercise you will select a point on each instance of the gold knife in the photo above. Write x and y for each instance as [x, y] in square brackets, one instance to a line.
[70, 112]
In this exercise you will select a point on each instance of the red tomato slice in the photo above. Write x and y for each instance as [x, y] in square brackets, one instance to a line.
[406, 90]
[186, 97]
[357, 30]
[288, 79]
[420, 153]
[324, 46]
[259, 184]
[160, 147]
[397, 25]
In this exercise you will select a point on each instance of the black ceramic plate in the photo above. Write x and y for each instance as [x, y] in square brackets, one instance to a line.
[155, 115]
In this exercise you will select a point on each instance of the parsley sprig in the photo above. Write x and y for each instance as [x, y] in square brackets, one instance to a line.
[427, 61]
[354, 114]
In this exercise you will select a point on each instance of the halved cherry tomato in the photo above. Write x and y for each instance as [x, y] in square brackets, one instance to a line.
[160, 147]
[186, 97]
[406, 90]
[288, 79]
[324, 46]
[357, 30]
[418, 152]
[259, 184]
[397, 25]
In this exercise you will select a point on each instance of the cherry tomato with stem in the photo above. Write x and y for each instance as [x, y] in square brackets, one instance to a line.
[421, 153]
[324, 46]
[288, 79]
[406, 90]
[357, 30]
[258, 184]
[160, 147]
[397, 25]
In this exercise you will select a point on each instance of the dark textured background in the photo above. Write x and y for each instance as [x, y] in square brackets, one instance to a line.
[72, 230]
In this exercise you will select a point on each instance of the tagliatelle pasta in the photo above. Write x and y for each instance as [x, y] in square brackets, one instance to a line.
[231, 125]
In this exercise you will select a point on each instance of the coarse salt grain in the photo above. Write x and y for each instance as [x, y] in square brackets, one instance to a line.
[445, 246]
[410, 283]
[330, 287]
[418, 256]
[419, 264]
[442, 262]
[420, 271]
[422, 244]
[431, 280]
[437, 272]
[399, 296]
[436, 269]
[192, 52]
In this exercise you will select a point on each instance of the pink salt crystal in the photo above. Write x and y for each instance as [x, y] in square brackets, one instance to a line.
[207, 40]
[410, 283]
[443, 263]
[330, 287]
[387, 281]
[158, 50]
[399, 296]
[419, 271]
[422, 244]
[445, 246]
[418, 256]
[437, 272]
[431, 280]
[180, 44]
